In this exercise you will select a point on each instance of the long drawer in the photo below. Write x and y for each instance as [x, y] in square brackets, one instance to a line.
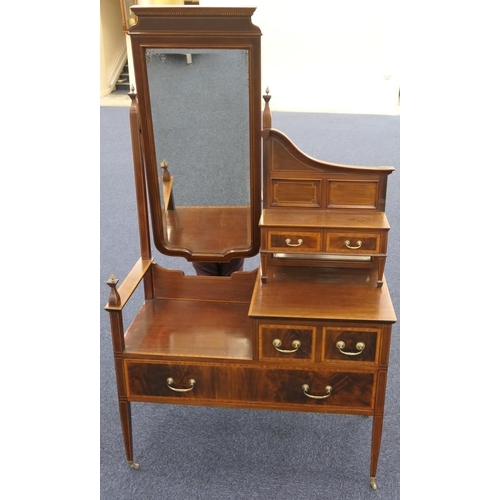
[267, 386]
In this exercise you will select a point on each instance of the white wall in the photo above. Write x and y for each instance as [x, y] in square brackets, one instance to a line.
[328, 55]
[337, 56]
[113, 49]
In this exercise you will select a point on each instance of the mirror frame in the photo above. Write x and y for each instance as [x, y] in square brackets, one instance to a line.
[197, 28]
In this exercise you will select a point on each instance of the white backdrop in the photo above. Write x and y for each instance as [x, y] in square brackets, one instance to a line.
[328, 55]
[337, 56]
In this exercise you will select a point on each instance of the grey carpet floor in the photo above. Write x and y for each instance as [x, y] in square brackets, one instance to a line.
[190, 453]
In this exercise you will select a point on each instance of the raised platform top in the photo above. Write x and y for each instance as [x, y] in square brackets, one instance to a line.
[322, 294]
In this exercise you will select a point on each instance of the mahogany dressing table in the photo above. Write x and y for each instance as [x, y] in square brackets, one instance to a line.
[310, 330]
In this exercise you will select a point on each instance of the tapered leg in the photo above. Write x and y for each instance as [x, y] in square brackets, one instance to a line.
[376, 440]
[126, 421]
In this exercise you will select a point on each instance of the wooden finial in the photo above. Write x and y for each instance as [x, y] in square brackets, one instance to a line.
[266, 118]
[114, 297]
[166, 173]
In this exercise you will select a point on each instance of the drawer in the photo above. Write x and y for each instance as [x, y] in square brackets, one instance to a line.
[353, 242]
[351, 344]
[171, 380]
[285, 342]
[330, 388]
[294, 241]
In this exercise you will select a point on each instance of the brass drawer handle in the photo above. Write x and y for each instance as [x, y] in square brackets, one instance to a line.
[347, 243]
[359, 346]
[328, 389]
[170, 381]
[288, 241]
[295, 344]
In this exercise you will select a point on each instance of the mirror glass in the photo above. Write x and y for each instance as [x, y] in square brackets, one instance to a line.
[200, 119]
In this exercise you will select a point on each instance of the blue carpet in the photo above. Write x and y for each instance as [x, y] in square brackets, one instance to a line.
[190, 453]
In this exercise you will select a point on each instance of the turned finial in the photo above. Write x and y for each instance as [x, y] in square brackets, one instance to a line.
[114, 297]
[164, 167]
[266, 117]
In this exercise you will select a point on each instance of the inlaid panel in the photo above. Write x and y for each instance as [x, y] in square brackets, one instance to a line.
[353, 194]
[296, 192]
[285, 342]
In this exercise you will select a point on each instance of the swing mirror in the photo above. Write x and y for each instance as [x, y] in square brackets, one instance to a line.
[198, 95]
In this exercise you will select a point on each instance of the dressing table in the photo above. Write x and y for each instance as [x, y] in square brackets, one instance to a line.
[308, 331]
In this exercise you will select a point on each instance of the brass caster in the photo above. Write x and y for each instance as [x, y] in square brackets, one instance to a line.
[373, 484]
[133, 465]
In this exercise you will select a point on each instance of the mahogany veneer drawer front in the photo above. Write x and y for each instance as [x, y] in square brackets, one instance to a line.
[351, 344]
[347, 343]
[172, 380]
[354, 243]
[286, 342]
[191, 383]
[331, 242]
[294, 241]
[332, 388]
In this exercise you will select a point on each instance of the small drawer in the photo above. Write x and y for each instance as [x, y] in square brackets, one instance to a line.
[294, 241]
[284, 342]
[350, 344]
[171, 381]
[306, 388]
[365, 243]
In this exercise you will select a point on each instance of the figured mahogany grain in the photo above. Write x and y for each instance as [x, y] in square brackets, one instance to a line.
[349, 388]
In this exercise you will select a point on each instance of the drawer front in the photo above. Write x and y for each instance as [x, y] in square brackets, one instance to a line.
[172, 380]
[351, 344]
[294, 241]
[355, 242]
[342, 389]
[285, 342]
